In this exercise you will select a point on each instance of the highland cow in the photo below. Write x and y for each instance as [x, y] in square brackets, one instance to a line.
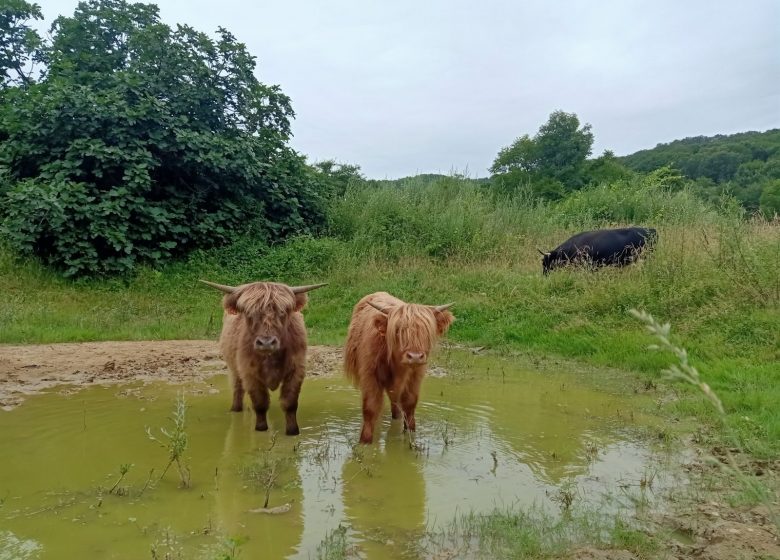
[388, 346]
[263, 342]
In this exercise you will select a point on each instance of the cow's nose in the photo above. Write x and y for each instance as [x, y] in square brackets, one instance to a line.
[266, 342]
[416, 357]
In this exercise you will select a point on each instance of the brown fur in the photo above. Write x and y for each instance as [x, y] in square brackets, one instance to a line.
[376, 359]
[265, 309]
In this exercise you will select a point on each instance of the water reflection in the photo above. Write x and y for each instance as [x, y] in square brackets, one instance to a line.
[384, 494]
[252, 464]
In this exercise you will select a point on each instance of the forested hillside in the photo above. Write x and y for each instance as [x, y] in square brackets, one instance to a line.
[747, 165]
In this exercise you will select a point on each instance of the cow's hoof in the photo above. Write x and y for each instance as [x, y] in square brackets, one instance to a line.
[261, 427]
[294, 431]
[236, 409]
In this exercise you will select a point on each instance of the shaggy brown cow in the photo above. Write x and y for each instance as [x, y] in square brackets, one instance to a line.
[387, 350]
[263, 342]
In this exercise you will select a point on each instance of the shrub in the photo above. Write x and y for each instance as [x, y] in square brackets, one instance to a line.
[143, 142]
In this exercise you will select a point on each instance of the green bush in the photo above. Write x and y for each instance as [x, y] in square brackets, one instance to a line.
[142, 142]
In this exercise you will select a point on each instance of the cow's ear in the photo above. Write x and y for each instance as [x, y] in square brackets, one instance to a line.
[230, 303]
[443, 321]
[380, 323]
[300, 301]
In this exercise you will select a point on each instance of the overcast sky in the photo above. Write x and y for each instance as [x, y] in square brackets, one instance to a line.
[403, 87]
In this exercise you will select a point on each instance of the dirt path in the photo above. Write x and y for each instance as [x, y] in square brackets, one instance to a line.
[29, 369]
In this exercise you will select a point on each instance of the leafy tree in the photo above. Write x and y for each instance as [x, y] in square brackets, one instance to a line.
[142, 142]
[19, 43]
[551, 163]
[770, 199]
[521, 155]
[563, 147]
[606, 169]
[720, 165]
[338, 176]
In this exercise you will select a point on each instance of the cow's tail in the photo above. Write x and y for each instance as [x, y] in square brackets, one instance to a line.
[351, 363]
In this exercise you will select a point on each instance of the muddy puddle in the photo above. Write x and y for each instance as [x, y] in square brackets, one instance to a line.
[488, 436]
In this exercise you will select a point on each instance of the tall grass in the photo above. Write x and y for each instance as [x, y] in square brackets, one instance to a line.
[460, 219]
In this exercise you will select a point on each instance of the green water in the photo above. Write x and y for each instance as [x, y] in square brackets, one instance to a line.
[487, 436]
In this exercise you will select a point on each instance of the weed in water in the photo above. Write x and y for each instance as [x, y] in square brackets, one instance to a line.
[175, 441]
[648, 478]
[591, 451]
[229, 548]
[167, 547]
[265, 473]
[565, 497]
[147, 483]
[123, 470]
[335, 545]
[271, 471]
[447, 434]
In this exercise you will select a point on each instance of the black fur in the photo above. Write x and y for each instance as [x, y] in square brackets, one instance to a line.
[603, 247]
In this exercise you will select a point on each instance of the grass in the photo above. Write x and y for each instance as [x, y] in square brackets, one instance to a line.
[752, 491]
[714, 275]
[534, 533]
[335, 545]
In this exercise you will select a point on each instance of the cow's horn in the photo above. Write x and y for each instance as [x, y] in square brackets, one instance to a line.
[304, 289]
[220, 287]
[444, 307]
[542, 252]
[375, 306]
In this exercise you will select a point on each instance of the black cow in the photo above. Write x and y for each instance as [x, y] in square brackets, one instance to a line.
[600, 248]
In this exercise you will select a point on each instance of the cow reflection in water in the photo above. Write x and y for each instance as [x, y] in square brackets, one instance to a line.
[238, 489]
[384, 496]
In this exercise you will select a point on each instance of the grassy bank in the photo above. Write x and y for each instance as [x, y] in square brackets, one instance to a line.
[714, 275]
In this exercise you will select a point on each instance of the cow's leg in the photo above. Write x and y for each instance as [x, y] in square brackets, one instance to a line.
[372, 406]
[291, 388]
[238, 393]
[260, 400]
[395, 410]
[409, 402]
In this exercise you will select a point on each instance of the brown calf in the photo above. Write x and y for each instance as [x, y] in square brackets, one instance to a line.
[387, 350]
[263, 342]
